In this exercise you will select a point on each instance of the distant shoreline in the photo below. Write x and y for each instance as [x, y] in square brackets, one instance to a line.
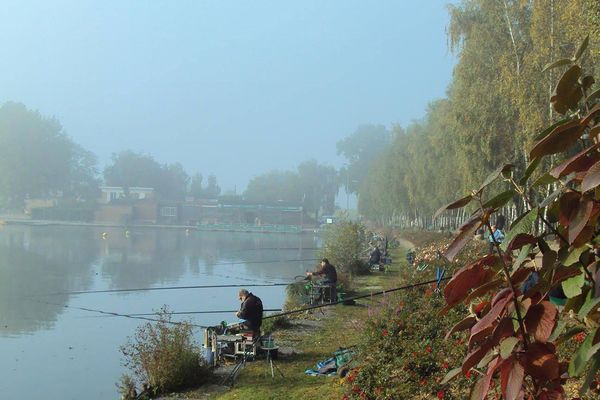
[212, 228]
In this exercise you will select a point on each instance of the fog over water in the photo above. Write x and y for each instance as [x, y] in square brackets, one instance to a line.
[232, 88]
[255, 113]
[73, 354]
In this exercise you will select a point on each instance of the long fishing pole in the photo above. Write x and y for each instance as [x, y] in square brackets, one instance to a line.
[170, 288]
[190, 286]
[263, 261]
[144, 316]
[276, 248]
[115, 314]
[382, 292]
[201, 312]
[356, 298]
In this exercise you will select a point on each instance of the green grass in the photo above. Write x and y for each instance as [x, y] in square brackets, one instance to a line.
[337, 330]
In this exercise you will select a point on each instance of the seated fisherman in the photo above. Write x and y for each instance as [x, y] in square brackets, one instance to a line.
[251, 310]
[329, 277]
[496, 237]
[375, 257]
[410, 257]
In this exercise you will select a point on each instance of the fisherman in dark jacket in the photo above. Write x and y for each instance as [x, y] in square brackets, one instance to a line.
[251, 310]
[375, 257]
[327, 271]
[329, 277]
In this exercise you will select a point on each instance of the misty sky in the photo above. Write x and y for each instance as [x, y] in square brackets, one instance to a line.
[234, 88]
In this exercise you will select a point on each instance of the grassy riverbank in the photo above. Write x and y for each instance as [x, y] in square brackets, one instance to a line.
[402, 352]
[314, 337]
[317, 337]
[311, 338]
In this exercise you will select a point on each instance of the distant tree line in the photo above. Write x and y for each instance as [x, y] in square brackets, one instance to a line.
[38, 160]
[490, 115]
[170, 181]
[316, 185]
[492, 110]
[312, 185]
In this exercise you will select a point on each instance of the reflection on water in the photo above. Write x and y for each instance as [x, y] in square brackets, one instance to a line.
[33, 262]
[40, 261]
[40, 265]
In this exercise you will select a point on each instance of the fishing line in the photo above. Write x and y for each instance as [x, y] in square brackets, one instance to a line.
[115, 314]
[172, 288]
[277, 248]
[146, 318]
[263, 262]
[355, 298]
[382, 292]
[191, 286]
[202, 312]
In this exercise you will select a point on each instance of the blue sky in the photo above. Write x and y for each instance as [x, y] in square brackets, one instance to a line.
[234, 88]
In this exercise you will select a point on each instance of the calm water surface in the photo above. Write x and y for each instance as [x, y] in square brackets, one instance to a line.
[51, 351]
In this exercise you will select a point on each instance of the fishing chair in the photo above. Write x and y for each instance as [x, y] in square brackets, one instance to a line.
[322, 293]
[245, 353]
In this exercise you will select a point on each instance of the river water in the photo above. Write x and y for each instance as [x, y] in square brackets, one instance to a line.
[51, 350]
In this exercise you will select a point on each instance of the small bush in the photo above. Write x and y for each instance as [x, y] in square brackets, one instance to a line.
[343, 282]
[126, 387]
[344, 244]
[164, 356]
[403, 353]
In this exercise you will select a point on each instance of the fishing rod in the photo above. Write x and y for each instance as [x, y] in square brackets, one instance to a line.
[383, 292]
[170, 288]
[185, 287]
[146, 318]
[263, 261]
[201, 312]
[115, 314]
[277, 248]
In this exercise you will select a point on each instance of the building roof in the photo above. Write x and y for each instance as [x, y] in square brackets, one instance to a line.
[131, 188]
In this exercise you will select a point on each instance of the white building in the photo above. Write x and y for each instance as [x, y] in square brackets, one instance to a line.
[110, 193]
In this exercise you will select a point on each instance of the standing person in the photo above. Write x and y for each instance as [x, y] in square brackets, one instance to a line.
[251, 310]
[329, 274]
[496, 237]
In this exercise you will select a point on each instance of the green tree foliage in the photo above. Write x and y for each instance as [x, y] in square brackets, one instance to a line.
[495, 105]
[274, 186]
[196, 189]
[173, 181]
[319, 185]
[84, 174]
[38, 159]
[313, 184]
[212, 189]
[130, 169]
[344, 246]
[360, 149]
[517, 287]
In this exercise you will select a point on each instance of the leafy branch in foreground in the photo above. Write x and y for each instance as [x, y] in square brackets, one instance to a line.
[552, 245]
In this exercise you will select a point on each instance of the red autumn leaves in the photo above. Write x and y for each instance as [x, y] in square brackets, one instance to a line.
[514, 354]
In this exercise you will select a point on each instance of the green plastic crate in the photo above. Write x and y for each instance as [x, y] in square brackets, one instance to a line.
[342, 356]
